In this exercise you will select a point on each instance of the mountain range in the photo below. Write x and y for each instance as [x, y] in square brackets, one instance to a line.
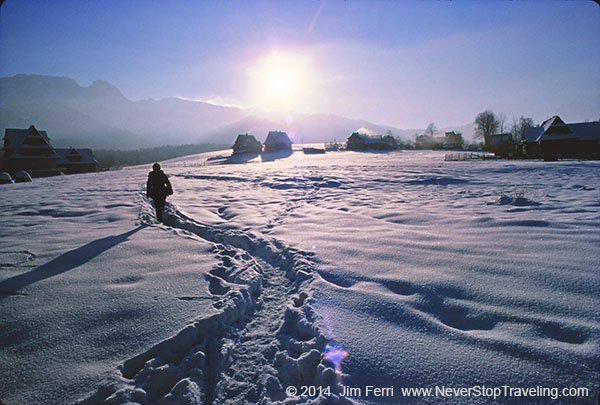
[100, 116]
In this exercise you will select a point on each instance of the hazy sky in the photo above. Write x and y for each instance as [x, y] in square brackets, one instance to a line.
[398, 63]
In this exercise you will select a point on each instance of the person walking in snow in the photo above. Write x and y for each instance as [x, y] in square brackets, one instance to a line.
[158, 188]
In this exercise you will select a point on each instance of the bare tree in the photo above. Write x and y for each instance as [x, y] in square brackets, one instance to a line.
[501, 118]
[486, 125]
[519, 126]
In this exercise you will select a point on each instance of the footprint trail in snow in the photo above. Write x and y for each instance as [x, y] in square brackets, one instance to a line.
[264, 338]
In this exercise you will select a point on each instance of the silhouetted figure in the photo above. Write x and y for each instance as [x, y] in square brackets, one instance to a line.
[158, 188]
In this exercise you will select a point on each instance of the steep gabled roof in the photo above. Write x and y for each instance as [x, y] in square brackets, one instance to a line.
[553, 129]
[246, 144]
[555, 125]
[72, 156]
[14, 137]
[245, 140]
[278, 137]
[27, 143]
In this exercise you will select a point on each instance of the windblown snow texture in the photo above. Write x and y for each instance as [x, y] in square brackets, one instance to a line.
[339, 270]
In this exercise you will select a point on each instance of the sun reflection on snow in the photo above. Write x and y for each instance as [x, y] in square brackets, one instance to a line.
[335, 354]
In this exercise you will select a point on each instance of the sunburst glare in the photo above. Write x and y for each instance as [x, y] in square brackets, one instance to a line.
[282, 81]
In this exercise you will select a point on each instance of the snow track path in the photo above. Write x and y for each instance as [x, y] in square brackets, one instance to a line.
[254, 348]
[264, 338]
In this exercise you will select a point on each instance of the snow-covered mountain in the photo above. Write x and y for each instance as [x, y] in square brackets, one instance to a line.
[100, 116]
[464, 282]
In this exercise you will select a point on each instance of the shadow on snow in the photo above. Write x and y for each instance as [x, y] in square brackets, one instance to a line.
[63, 263]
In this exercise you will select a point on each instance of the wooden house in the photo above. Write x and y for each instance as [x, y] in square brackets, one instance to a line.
[501, 144]
[246, 144]
[424, 142]
[555, 139]
[358, 141]
[29, 150]
[73, 160]
[453, 140]
[588, 138]
[278, 141]
[450, 140]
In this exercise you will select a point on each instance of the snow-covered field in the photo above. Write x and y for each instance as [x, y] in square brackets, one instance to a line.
[336, 274]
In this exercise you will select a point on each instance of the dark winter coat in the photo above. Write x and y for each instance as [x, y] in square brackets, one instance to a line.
[158, 185]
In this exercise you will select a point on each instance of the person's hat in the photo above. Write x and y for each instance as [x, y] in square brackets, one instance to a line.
[155, 166]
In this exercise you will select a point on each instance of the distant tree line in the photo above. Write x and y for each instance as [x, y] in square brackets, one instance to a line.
[115, 159]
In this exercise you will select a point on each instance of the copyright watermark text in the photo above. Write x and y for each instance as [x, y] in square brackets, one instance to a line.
[476, 391]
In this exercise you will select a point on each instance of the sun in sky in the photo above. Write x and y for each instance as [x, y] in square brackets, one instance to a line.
[282, 81]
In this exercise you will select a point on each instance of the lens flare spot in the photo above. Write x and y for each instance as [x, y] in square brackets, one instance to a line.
[335, 354]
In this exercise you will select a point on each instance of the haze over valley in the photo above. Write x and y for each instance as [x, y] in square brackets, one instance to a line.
[100, 116]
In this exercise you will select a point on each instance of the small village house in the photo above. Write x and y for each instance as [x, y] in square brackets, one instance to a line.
[246, 144]
[73, 160]
[278, 141]
[450, 140]
[453, 140]
[427, 142]
[501, 144]
[358, 142]
[30, 150]
[555, 139]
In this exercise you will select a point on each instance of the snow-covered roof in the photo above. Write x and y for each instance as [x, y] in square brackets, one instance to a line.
[532, 134]
[586, 130]
[246, 143]
[26, 144]
[245, 140]
[555, 129]
[72, 156]
[278, 137]
[14, 137]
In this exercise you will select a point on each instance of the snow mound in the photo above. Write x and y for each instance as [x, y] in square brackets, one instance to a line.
[517, 201]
